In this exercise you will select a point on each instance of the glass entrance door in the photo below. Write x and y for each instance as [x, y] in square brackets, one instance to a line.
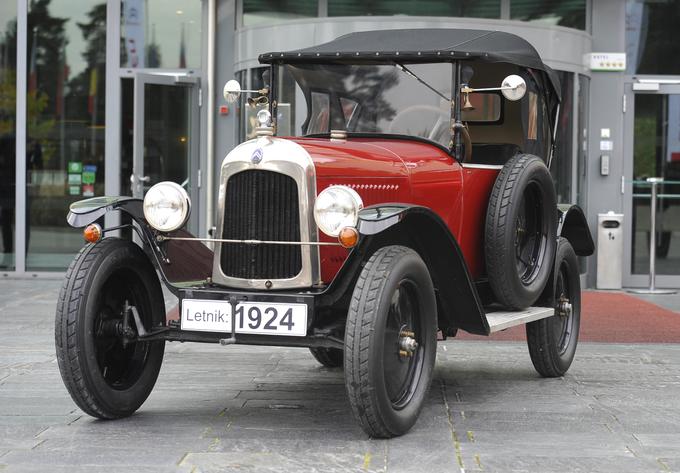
[166, 135]
[656, 153]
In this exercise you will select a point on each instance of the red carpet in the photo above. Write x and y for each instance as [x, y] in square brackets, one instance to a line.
[612, 317]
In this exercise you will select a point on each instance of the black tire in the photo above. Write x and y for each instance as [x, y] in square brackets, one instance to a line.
[393, 296]
[552, 341]
[520, 240]
[106, 378]
[328, 357]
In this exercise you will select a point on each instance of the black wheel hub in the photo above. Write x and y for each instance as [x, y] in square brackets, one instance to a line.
[120, 357]
[529, 234]
[403, 350]
[564, 321]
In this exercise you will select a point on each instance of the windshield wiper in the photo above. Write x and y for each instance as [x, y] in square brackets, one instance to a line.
[412, 74]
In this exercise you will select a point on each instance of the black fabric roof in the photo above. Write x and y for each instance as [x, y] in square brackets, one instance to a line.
[420, 45]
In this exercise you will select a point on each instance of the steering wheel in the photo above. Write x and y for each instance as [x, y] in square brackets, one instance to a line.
[442, 116]
[466, 138]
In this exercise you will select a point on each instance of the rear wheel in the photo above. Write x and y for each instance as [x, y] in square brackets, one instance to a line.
[107, 372]
[390, 341]
[328, 357]
[552, 341]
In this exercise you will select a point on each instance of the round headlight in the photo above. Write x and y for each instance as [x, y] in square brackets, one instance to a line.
[166, 206]
[335, 208]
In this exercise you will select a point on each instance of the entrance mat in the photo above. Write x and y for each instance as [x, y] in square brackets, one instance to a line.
[611, 317]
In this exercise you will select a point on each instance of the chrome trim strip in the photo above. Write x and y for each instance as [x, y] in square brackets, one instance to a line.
[255, 242]
[482, 166]
[285, 157]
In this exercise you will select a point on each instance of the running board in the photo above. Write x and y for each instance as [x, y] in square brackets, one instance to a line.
[502, 319]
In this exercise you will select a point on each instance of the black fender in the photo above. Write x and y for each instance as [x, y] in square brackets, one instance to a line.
[175, 261]
[572, 225]
[421, 229]
[85, 212]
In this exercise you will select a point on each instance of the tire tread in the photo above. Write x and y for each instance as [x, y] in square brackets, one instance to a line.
[359, 389]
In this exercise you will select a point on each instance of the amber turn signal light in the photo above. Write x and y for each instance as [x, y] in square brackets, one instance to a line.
[92, 233]
[348, 237]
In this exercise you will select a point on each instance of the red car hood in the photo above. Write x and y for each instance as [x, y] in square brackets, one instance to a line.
[353, 159]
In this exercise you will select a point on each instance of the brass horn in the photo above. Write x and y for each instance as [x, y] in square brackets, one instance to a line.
[466, 98]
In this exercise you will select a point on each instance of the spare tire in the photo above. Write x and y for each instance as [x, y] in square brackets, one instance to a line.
[520, 238]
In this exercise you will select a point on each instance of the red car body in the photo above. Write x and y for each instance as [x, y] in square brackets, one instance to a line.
[407, 171]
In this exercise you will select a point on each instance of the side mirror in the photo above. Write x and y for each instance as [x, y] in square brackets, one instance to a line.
[513, 87]
[231, 91]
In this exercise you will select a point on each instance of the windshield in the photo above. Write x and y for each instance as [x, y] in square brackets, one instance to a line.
[407, 100]
[367, 99]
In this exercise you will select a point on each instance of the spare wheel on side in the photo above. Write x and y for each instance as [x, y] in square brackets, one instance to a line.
[520, 240]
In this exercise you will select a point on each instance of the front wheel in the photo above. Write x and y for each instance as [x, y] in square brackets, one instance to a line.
[390, 341]
[107, 371]
[552, 341]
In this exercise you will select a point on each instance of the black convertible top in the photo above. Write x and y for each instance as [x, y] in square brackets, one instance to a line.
[420, 45]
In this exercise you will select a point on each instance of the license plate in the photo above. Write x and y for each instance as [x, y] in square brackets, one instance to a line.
[264, 318]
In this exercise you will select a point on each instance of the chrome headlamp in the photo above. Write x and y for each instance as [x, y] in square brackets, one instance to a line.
[167, 206]
[335, 208]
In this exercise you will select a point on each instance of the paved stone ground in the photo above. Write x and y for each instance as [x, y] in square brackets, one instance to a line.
[264, 409]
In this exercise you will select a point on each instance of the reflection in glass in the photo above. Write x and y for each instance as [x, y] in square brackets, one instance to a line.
[166, 134]
[160, 33]
[570, 13]
[8, 44]
[563, 159]
[461, 8]
[65, 123]
[582, 139]
[167, 137]
[652, 36]
[656, 154]
[268, 11]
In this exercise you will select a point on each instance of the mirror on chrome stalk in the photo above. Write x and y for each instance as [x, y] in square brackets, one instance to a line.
[513, 88]
[232, 91]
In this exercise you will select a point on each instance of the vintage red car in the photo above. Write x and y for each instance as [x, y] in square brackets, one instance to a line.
[414, 198]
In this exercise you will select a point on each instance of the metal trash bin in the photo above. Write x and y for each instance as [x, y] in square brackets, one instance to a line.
[609, 250]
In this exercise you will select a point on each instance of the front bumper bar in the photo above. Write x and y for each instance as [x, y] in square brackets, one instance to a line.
[326, 337]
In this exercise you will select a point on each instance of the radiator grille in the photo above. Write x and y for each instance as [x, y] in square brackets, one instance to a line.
[261, 205]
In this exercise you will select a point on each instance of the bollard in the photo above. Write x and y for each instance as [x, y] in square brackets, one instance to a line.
[654, 181]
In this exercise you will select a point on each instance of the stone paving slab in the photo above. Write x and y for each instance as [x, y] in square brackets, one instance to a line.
[265, 409]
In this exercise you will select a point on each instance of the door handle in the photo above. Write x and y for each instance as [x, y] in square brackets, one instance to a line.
[134, 178]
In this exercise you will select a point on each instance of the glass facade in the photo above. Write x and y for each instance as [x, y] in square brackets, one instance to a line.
[656, 154]
[563, 159]
[570, 13]
[461, 8]
[8, 55]
[582, 139]
[65, 123]
[652, 36]
[161, 34]
[257, 12]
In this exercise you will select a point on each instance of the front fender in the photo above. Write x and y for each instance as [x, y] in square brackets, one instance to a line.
[178, 262]
[424, 231]
[85, 212]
